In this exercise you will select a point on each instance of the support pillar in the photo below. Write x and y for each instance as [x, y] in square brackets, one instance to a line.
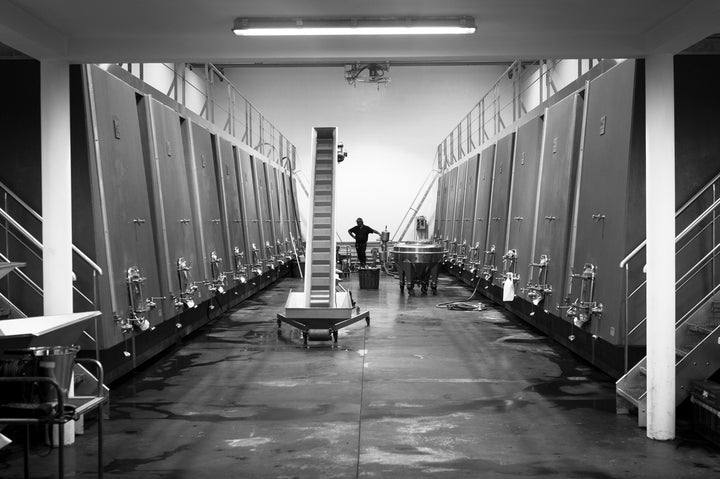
[56, 187]
[56, 195]
[660, 207]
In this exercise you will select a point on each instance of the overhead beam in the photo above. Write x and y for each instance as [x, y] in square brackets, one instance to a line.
[28, 35]
[694, 22]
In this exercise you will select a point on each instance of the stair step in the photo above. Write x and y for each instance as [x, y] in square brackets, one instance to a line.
[682, 351]
[632, 394]
[643, 370]
[319, 304]
[705, 328]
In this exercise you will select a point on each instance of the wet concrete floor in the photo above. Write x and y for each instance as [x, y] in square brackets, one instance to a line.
[422, 392]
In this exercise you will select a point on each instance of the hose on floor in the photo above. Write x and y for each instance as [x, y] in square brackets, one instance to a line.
[464, 304]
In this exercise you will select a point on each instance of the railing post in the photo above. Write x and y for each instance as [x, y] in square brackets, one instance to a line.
[97, 307]
[496, 111]
[627, 323]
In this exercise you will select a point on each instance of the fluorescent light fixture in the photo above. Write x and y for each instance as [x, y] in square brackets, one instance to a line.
[354, 26]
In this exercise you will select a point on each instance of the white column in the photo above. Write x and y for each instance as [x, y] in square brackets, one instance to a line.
[56, 197]
[56, 187]
[660, 207]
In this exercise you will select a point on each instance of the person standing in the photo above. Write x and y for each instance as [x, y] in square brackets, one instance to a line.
[360, 234]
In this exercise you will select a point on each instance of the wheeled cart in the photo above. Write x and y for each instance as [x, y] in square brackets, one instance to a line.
[321, 323]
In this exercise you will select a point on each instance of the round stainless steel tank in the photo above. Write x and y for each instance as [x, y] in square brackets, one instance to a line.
[417, 263]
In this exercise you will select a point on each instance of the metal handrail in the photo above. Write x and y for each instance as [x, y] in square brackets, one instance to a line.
[225, 106]
[19, 312]
[680, 236]
[696, 268]
[697, 220]
[689, 313]
[11, 222]
[533, 85]
[27, 207]
[87, 260]
[24, 277]
[37, 216]
[29, 281]
[39, 245]
[687, 204]
[697, 195]
[22, 230]
[689, 274]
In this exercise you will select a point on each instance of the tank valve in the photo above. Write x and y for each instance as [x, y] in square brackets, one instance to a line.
[488, 269]
[124, 323]
[258, 266]
[139, 305]
[584, 308]
[217, 284]
[188, 289]
[538, 290]
[510, 265]
[240, 273]
[280, 254]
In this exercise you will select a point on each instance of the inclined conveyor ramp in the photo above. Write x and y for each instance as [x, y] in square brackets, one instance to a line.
[325, 306]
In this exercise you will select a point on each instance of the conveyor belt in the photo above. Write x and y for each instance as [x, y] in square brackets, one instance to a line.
[322, 286]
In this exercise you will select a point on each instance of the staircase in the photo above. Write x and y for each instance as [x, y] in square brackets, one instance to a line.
[20, 292]
[697, 357]
[697, 332]
[9, 310]
[320, 271]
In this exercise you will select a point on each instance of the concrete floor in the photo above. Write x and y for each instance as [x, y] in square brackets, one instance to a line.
[422, 392]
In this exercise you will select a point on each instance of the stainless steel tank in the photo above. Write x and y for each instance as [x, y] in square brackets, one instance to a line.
[417, 263]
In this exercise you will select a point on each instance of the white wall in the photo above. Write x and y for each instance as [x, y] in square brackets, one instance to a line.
[391, 133]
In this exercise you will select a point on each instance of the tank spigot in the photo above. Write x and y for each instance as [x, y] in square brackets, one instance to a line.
[150, 303]
[124, 323]
[217, 284]
[184, 301]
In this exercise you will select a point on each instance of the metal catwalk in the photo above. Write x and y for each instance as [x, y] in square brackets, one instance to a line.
[421, 392]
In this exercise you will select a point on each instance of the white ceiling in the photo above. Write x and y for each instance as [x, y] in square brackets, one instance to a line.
[199, 30]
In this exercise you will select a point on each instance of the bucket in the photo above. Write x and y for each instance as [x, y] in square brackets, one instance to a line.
[55, 362]
[369, 278]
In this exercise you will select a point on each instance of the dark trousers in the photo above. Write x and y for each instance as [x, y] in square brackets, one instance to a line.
[360, 248]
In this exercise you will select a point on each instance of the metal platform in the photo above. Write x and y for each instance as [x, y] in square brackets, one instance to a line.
[63, 329]
[321, 323]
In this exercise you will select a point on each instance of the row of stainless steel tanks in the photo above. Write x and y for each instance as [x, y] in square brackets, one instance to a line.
[183, 219]
[543, 216]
